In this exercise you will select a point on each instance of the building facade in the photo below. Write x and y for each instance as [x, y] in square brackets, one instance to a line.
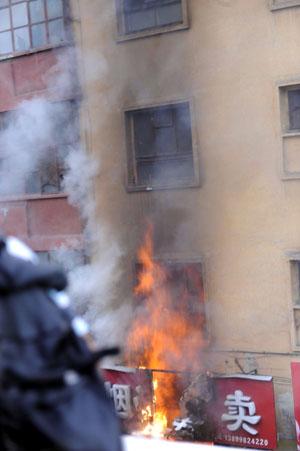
[193, 108]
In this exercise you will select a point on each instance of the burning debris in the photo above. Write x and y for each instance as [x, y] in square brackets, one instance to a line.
[167, 334]
[197, 423]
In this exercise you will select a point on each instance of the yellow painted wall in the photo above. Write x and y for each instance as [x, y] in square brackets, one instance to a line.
[244, 218]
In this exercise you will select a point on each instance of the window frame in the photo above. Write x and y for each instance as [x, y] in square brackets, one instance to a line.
[67, 30]
[287, 133]
[122, 36]
[294, 263]
[131, 176]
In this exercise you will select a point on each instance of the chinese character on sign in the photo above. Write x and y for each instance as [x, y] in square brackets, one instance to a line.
[122, 398]
[241, 413]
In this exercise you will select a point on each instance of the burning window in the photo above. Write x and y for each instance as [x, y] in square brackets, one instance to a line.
[138, 17]
[169, 330]
[48, 168]
[160, 147]
[31, 24]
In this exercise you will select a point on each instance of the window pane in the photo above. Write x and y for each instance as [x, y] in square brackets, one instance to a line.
[33, 183]
[54, 8]
[294, 108]
[3, 3]
[39, 35]
[143, 134]
[22, 41]
[165, 141]
[140, 20]
[4, 19]
[56, 31]
[170, 14]
[6, 43]
[19, 15]
[37, 11]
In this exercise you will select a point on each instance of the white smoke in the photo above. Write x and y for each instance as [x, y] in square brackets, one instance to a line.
[25, 142]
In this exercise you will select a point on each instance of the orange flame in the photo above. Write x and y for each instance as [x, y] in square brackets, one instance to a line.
[167, 332]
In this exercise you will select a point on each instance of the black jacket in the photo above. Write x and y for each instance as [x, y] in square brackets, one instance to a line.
[51, 396]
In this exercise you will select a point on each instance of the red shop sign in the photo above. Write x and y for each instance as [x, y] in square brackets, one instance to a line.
[244, 411]
[130, 390]
[296, 393]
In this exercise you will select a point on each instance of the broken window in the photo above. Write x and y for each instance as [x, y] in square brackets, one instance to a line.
[47, 174]
[160, 147]
[137, 16]
[31, 24]
[171, 305]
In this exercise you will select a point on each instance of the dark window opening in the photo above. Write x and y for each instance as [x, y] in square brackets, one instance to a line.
[47, 175]
[32, 24]
[160, 146]
[140, 15]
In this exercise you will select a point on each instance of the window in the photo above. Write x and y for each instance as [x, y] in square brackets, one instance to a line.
[280, 4]
[178, 293]
[143, 17]
[295, 277]
[48, 170]
[160, 147]
[67, 258]
[290, 126]
[31, 24]
[294, 108]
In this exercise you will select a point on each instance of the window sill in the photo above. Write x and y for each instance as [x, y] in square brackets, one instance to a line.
[283, 4]
[137, 188]
[35, 50]
[290, 176]
[291, 134]
[152, 32]
[26, 197]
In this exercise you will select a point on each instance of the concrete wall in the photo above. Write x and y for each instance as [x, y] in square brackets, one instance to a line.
[244, 218]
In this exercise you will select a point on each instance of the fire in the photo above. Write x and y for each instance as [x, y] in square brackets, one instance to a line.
[167, 332]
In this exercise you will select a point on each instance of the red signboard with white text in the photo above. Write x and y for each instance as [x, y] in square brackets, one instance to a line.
[244, 411]
[131, 391]
[296, 393]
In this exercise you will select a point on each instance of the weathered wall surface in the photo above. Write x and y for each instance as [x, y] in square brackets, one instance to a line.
[244, 218]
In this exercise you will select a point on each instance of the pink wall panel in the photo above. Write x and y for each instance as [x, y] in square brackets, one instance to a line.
[13, 220]
[52, 217]
[26, 75]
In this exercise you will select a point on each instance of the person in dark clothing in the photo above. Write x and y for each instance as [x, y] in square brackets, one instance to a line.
[51, 395]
